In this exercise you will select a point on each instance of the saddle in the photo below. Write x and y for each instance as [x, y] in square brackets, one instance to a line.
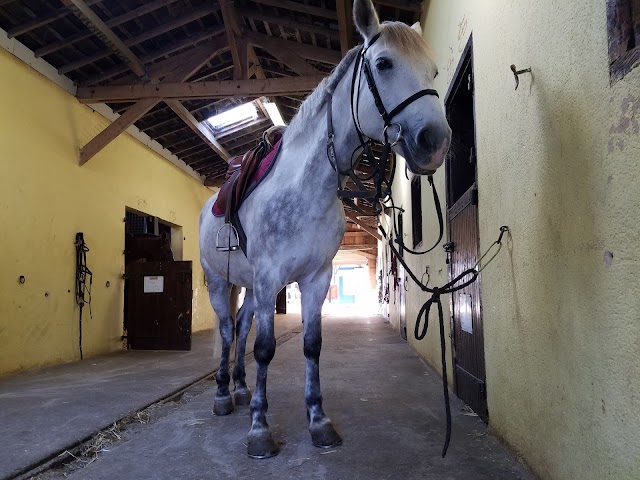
[245, 172]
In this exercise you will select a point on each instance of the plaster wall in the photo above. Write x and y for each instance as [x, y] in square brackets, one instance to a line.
[46, 197]
[558, 162]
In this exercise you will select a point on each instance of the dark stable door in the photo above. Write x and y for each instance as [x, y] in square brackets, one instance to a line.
[159, 305]
[463, 245]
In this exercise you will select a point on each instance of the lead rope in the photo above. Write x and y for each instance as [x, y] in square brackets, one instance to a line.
[382, 194]
[420, 330]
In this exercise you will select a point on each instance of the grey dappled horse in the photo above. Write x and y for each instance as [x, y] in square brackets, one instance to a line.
[294, 221]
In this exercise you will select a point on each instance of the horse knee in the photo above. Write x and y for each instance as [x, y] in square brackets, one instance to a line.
[312, 341]
[312, 347]
[264, 349]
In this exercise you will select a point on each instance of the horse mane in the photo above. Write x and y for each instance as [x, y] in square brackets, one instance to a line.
[325, 88]
[394, 33]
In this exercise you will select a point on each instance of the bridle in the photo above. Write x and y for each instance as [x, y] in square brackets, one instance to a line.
[382, 189]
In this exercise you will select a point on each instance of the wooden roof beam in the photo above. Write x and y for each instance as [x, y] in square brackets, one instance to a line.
[410, 5]
[236, 43]
[300, 7]
[199, 128]
[43, 20]
[189, 65]
[114, 129]
[187, 42]
[345, 25]
[113, 22]
[290, 58]
[371, 231]
[91, 20]
[309, 52]
[202, 90]
[136, 40]
[285, 22]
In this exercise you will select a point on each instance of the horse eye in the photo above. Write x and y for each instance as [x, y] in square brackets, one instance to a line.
[383, 64]
[436, 74]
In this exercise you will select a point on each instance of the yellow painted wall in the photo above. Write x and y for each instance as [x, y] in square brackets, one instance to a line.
[559, 162]
[45, 198]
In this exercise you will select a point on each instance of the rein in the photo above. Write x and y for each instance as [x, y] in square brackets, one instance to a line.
[382, 195]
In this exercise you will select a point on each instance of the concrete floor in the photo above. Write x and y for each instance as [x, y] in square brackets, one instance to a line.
[383, 400]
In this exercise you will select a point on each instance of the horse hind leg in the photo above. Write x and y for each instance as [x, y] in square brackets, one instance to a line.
[323, 434]
[219, 291]
[242, 394]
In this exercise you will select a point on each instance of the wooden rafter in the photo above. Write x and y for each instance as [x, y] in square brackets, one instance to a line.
[371, 231]
[300, 7]
[285, 22]
[410, 5]
[202, 90]
[345, 25]
[87, 16]
[160, 70]
[236, 43]
[155, 55]
[201, 130]
[142, 37]
[51, 47]
[290, 58]
[181, 72]
[115, 128]
[306, 51]
[43, 20]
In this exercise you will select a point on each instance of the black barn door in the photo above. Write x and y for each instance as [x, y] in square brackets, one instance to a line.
[463, 245]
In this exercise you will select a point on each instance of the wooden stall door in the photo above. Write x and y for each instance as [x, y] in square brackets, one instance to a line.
[159, 305]
[466, 312]
[463, 245]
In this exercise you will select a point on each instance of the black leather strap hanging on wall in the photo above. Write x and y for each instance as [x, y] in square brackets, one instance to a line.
[84, 279]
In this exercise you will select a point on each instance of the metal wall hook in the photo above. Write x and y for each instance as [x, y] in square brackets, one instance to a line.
[519, 72]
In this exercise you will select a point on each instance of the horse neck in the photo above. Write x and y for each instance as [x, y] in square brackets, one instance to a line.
[308, 144]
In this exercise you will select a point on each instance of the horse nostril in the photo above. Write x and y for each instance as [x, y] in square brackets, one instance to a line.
[427, 139]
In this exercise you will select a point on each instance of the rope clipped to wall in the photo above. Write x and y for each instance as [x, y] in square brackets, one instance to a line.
[83, 289]
[463, 280]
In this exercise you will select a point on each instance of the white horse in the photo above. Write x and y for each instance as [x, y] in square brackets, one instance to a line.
[294, 221]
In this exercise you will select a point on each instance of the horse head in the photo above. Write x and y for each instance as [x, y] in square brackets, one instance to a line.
[398, 67]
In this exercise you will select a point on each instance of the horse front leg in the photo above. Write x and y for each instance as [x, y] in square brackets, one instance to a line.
[242, 394]
[313, 294]
[219, 295]
[260, 443]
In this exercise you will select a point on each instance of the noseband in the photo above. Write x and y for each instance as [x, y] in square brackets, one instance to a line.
[382, 184]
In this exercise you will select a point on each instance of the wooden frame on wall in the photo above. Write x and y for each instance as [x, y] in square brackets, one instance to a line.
[623, 26]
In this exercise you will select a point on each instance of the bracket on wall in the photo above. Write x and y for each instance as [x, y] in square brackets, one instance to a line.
[517, 72]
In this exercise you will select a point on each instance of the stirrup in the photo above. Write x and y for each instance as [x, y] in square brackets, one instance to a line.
[230, 247]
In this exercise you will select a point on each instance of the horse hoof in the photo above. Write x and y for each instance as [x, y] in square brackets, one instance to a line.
[222, 405]
[242, 397]
[323, 435]
[262, 445]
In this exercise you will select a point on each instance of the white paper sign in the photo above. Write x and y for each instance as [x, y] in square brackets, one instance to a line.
[466, 317]
[153, 284]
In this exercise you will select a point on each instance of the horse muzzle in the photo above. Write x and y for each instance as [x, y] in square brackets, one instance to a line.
[428, 151]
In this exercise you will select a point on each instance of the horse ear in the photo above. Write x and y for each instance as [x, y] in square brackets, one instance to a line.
[365, 19]
[416, 26]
